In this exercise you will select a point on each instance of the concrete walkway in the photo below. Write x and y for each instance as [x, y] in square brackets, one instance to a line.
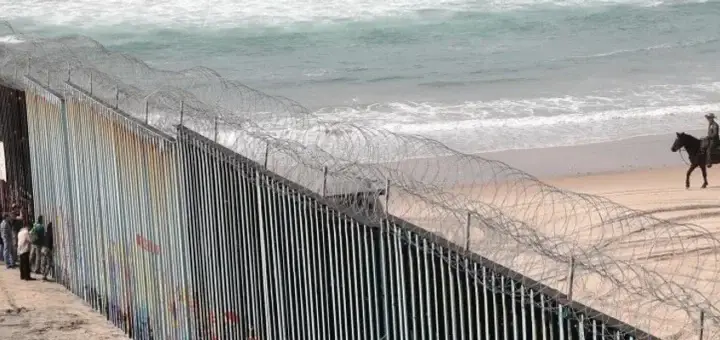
[46, 310]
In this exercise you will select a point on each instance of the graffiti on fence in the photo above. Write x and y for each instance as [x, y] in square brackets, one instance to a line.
[182, 300]
[147, 245]
[227, 318]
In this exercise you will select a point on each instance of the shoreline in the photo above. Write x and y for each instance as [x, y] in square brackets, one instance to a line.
[603, 158]
[546, 164]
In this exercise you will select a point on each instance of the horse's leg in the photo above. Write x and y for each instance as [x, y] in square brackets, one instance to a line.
[687, 176]
[704, 173]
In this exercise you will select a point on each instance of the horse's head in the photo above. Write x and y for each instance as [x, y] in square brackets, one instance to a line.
[679, 142]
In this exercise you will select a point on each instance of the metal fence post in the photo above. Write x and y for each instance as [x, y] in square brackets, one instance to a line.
[467, 230]
[387, 197]
[702, 324]
[571, 278]
[267, 152]
[117, 96]
[91, 83]
[216, 129]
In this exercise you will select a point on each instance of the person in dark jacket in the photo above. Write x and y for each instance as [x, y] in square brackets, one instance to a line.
[713, 138]
[47, 251]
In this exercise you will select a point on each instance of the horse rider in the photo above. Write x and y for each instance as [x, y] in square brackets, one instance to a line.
[713, 139]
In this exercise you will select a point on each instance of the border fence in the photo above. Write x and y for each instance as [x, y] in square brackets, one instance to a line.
[177, 237]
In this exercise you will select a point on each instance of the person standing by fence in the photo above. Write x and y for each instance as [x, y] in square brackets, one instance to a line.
[6, 231]
[47, 251]
[24, 253]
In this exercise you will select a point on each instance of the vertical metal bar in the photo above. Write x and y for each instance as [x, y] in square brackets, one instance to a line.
[504, 307]
[222, 230]
[400, 270]
[267, 153]
[308, 264]
[467, 230]
[371, 259]
[486, 302]
[414, 260]
[215, 138]
[263, 225]
[431, 299]
[476, 319]
[463, 295]
[702, 324]
[494, 290]
[533, 317]
[320, 260]
[331, 222]
[543, 313]
[444, 279]
[384, 280]
[514, 321]
[571, 278]
[286, 236]
[387, 196]
[249, 258]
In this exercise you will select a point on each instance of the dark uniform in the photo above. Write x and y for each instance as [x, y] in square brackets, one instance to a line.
[713, 139]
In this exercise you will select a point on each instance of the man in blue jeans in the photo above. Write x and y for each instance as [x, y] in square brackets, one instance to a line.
[6, 231]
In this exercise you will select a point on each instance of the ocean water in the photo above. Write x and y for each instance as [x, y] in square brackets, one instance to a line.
[478, 75]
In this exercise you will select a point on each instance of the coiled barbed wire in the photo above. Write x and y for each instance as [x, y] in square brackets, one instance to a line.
[651, 273]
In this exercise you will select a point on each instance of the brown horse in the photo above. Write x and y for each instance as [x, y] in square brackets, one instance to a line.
[696, 155]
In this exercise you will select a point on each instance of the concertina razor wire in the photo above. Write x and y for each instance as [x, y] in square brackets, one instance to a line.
[656, 275]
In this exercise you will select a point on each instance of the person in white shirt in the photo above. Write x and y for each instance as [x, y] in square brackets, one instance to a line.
[24, 253]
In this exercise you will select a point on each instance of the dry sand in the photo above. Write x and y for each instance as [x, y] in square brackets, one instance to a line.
[47, 311]
[662, 253]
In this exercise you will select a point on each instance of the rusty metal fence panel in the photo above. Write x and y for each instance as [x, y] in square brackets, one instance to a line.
[109, 185]
[181, 238]
[14, 135]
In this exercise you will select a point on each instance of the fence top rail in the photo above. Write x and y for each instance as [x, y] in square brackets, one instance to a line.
[541, 288]
[151, 131]
[46, 92]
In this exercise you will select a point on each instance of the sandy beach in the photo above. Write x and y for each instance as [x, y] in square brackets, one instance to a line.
[46, 310]
[646, 248]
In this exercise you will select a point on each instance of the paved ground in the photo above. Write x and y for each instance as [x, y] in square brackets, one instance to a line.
[46, 310]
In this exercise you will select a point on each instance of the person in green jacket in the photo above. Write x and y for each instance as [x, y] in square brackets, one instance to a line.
[37, 237]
